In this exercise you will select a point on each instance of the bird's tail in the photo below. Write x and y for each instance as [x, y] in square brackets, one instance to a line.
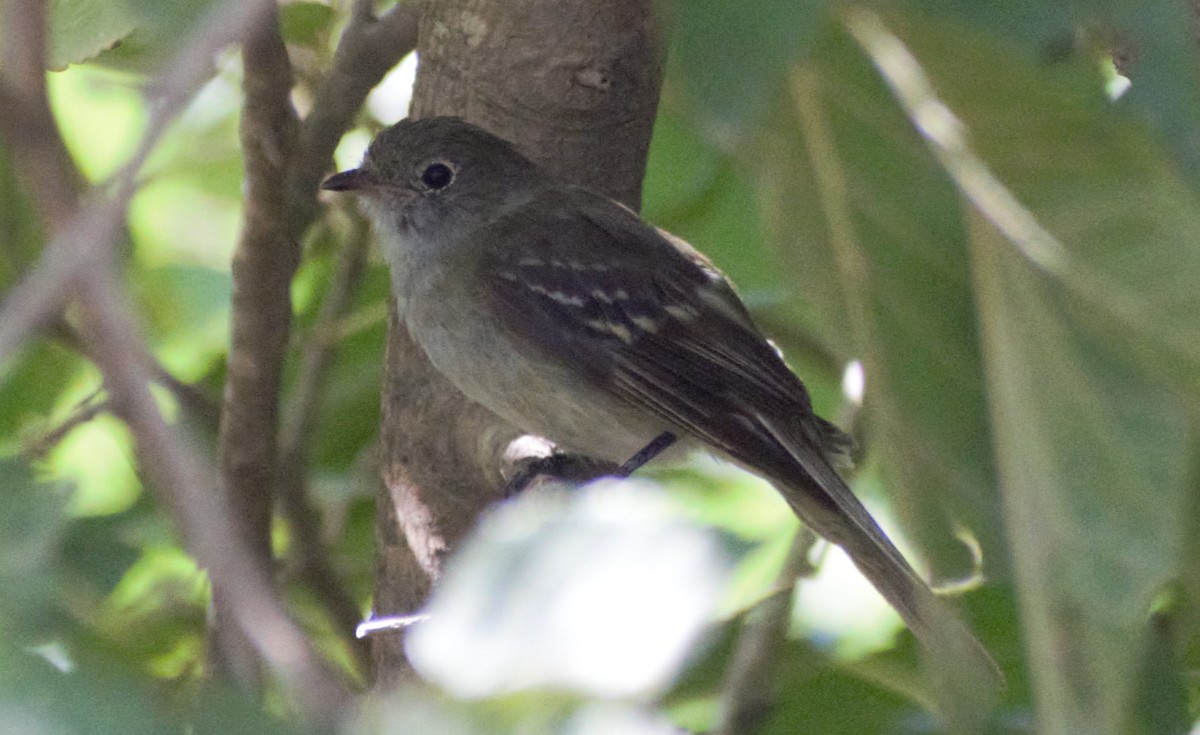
[822, 500]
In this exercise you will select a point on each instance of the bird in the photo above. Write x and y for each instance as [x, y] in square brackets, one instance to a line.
[565, 314]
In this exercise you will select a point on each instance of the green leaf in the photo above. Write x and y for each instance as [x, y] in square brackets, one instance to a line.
[94, 550]
[732, 56]
[305, 23]
[31, 524]
[1166, 75]
[870, 238]
[32, 386]
[81, 29]
[1083, 259]
[161, 27]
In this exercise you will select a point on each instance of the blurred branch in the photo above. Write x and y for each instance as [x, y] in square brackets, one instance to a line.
[86, 410]
[264, 261]
[748, 693]
[204, 515]
[368, 49]
[78, 263]
[308, 545]
[284, 162]
[199, 405]
[25, 117]
[39, 153]
[194, 401]
[69, 257]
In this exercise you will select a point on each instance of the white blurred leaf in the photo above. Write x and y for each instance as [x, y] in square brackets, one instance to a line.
[601, 590]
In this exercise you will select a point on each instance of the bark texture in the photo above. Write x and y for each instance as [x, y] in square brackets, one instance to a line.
[574, 83]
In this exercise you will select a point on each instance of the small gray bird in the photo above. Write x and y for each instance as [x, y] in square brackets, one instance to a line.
[565, 314]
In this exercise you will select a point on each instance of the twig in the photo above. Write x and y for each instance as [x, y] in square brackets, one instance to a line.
[308, 546]
[368, 49]
[195, 402]
[78, 262]
[87, 409]
[82, 240]
[113, 339]
[748, 692]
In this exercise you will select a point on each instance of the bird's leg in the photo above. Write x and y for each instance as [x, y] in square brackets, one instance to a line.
[657, 446]
[572, 468]
[578, 468]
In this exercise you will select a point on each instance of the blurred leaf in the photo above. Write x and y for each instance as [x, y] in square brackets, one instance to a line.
[93, 698]
[94, 550]
[600, 591]
[1161, 707]
[160, 30]
[1090, 323]
[221, 711]
[31, 386]
[20, 229]
[868, 229]
[100, 115]
[98, 458]
[187, 308]
[31, 526]
[156, 614]
[349, 408]
[81, 29]
[305, 23]
[1159, 41]
[732, 56]
[1166, 74]
[831, 701]
[681, 170]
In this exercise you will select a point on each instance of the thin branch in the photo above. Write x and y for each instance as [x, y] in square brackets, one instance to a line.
[284, 163]
[172, 462]
[82, 241]
[748, 693]
[196, 403]
[368, 49]
[308, 545]
[78, 262]
[264, 261]
[86, 410]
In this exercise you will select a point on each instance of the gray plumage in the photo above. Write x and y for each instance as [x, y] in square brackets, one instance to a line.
[568, 316]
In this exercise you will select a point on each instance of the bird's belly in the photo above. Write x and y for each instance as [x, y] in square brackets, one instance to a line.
[532, 394]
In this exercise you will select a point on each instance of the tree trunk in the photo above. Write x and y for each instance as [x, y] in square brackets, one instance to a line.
[574, 84]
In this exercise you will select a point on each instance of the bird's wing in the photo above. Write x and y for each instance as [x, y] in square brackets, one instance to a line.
[650, 321]
[647, 319]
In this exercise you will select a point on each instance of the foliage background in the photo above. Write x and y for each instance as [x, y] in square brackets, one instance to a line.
[945, 193]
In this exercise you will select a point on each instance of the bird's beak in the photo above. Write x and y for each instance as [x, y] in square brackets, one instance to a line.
[356, 179]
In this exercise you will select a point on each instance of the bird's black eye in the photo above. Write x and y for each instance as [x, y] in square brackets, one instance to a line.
[437, 176]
